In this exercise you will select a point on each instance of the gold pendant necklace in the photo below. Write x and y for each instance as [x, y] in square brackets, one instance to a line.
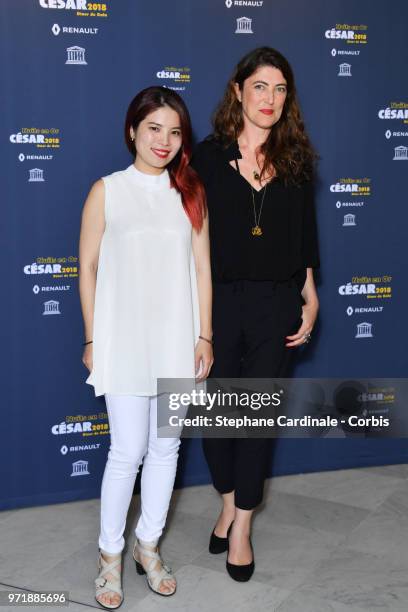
[257, 229]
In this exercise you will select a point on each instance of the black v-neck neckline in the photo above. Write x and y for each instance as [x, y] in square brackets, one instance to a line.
[274, 179]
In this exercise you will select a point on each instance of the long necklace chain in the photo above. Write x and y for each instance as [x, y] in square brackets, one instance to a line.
[257, 230]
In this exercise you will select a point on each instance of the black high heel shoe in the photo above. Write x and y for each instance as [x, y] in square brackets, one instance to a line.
[218, 545]
[241, 573]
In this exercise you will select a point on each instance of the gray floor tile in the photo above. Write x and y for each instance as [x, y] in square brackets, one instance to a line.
[385, 532]
[357, 487]
[4, 514]
[36, 539]
[308, 512]
[399, 470]
[199, 501]
[299, 601]
[186, 538]
[203, 590]
[358, 580]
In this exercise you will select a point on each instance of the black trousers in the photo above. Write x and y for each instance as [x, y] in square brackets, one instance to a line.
[250, 321]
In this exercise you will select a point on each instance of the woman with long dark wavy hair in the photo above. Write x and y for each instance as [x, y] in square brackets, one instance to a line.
[258, 172]
[143, 229]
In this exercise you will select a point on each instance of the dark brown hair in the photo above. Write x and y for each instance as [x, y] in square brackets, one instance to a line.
[287, 148]
[182, 176]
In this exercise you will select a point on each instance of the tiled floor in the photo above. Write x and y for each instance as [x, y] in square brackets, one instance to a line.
[330, 541]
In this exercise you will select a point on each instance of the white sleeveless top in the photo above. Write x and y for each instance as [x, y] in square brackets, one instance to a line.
[146, 317]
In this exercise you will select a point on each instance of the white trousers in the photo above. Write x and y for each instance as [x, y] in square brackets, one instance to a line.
[133, 430]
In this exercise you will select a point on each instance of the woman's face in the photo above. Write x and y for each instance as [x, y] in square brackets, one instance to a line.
[157, 140]
[263, 96]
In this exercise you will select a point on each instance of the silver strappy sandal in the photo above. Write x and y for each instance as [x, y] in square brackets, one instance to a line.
[103, 585]
[154, 576]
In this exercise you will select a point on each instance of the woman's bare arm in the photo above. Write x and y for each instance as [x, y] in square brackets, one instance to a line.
[201, 251]
[309, 310]
[309, 292]
[92, 228]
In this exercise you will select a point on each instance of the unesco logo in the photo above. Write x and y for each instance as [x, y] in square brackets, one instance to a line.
[76, 56]
[344, 70]
[80, 468]
[349, 220]
[364, 330]
[401, 153]
[244, 26]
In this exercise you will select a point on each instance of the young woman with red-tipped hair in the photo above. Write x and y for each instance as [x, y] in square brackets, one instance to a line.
[144, 253]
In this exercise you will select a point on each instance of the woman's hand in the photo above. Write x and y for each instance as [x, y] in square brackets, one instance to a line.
[87, 357]
[204, 358]
[309, 316]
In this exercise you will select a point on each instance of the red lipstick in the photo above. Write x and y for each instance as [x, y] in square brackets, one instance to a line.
[162, 153]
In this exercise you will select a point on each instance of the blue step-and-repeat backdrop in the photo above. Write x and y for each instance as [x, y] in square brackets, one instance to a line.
[69, 70]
